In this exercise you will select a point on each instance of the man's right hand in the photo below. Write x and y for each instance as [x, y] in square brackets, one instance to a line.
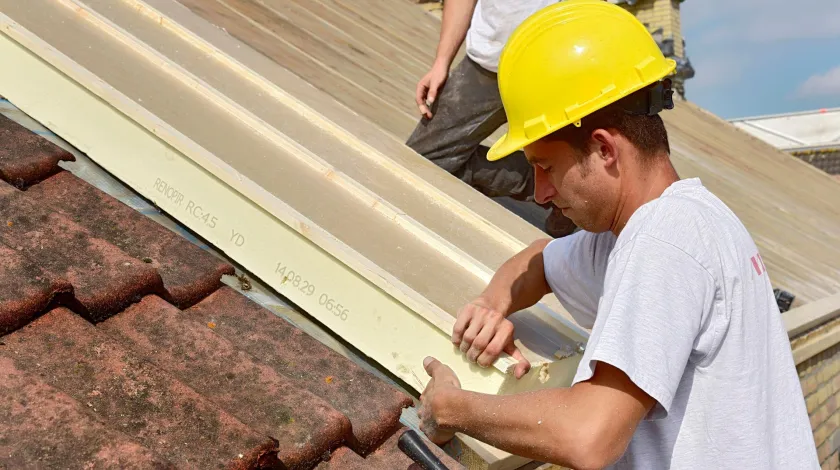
[429, 86]
[483, 333]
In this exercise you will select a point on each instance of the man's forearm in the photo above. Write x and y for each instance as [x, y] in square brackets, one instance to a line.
[456, 18]
[588, 425]
[547, 425]
[520, 281]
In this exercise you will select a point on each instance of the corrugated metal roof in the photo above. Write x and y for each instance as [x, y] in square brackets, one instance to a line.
[795, 131]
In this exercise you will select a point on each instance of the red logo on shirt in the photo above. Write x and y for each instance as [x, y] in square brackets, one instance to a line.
[758, 264]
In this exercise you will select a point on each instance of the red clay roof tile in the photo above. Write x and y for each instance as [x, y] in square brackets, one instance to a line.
[60, 431]
[372, 406]
[387, 457]
[345, 459]
[130, 394]
[25, 289]
[304, 424]
[26, 158]
[105, 280]
[188, 272]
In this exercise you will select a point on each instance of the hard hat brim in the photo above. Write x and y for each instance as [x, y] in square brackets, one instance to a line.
[504, 147]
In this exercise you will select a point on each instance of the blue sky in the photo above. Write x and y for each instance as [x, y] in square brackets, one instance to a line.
[754, 57]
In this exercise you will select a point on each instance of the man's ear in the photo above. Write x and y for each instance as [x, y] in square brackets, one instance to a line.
[605, 146]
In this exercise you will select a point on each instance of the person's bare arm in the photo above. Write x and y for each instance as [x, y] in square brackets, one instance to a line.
[455, 22]
[482, 329]
[586, 426]
[520, 281]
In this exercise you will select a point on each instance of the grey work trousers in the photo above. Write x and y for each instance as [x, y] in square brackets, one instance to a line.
[467, 110]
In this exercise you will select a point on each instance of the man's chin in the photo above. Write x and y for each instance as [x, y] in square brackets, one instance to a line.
[569, 213]
[558, 225]
[583, 223]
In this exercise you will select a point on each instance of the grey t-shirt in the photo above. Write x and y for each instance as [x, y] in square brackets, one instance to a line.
[681, 302]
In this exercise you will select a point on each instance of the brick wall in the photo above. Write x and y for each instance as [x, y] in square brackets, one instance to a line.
[662, 19]
[827, 160]
[820, 378]
[663, 14]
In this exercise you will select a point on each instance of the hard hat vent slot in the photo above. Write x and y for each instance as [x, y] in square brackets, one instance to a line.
[648, 69]
[536, 127]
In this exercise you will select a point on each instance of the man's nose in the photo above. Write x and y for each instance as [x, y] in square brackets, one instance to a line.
[543, 188]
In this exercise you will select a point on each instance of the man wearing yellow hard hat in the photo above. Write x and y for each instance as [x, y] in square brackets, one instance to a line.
[688, 364]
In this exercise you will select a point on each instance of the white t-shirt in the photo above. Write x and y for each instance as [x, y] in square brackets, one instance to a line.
[681, 302]
[493, 22]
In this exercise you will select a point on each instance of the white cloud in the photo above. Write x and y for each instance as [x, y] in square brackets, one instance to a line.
[826, 84]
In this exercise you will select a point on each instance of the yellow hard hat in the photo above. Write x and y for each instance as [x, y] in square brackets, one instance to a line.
[568, 60]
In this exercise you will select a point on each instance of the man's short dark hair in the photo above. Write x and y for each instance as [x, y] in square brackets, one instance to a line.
[647, 133]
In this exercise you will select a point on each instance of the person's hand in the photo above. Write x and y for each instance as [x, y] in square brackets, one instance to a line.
[429, 86]
[483, 333]
[443, 381]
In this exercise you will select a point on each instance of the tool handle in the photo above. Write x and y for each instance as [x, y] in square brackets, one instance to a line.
[413, 446]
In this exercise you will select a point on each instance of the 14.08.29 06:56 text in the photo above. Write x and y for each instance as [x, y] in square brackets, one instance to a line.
[325, 300]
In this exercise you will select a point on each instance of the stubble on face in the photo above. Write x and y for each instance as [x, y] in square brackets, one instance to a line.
[583, 196]
[579, 183]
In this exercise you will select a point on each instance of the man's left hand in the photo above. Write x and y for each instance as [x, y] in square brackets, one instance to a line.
[443, 381]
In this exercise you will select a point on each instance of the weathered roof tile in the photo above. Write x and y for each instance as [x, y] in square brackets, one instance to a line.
[346, 459]
[372, 406]
[26, 158]
[60, 431]
[304, 424]
[105, 280]
[188, 272]
[130, 394]
[25, 289]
